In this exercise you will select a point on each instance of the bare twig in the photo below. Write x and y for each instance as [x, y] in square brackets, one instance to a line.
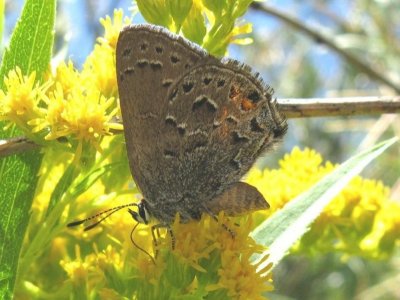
[321, 38]
[16, 145]
[327, 107]
[292, 108]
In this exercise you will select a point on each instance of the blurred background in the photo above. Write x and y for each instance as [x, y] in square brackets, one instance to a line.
[298, 66]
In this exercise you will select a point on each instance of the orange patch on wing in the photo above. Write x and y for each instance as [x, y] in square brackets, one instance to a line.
[247, 104]
[237, 96]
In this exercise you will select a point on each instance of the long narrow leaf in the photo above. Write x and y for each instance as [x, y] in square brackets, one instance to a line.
[32, 40]
[286, 226]
[30, 49]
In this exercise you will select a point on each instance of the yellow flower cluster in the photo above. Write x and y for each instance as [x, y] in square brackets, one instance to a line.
[79, 106]
[206, 261]
[209, 246]
[21, 102]
[361, 220]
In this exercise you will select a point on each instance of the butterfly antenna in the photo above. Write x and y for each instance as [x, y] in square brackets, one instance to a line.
[108, 213]
[140, 248]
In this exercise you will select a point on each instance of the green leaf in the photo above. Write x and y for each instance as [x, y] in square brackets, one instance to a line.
[62, 186]
[217, 7]
[241, 8]
[30, 49]
[194, 27]
[91, 178]
[286, 226]
[155, 11]
[32, 40]
[179, 10]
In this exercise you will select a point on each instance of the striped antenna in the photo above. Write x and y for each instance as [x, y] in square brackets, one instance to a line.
[108, 213]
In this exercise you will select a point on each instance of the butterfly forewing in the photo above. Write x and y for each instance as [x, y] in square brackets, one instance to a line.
[149, 60]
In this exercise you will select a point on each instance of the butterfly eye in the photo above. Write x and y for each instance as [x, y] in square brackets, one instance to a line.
[143, 212]
[142, 215]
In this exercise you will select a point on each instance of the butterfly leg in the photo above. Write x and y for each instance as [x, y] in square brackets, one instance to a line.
[155, 232]
[229, 230]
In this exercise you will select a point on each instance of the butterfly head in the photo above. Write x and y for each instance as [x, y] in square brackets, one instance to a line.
[142, 214]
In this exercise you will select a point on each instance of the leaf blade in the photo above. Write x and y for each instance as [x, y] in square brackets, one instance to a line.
[32, 40]
[18, 173]
[286, 226]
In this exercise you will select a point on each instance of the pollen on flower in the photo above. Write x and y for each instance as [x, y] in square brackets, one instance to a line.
[194, 241]
[99, 67]
[86, 115]
[208, 247]
[240, 278]
[20, 102]
[99, 70]
[67, 76]
[113, 27]
[77, 269]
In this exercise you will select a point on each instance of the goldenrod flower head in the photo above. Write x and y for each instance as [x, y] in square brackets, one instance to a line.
[109, 258]
[99, 68]
[20, 102]
[79, 105]
[82, 104]
[385, 234]
[67, 76]
[77, 270]
[213, 255]
[207, 260]
[84, 114]
[349, 224]
[112, 28]
[237, 277]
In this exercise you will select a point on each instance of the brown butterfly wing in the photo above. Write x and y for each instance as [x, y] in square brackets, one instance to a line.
[220, 119]
[194, 125]
[238, 199]
[149, 59]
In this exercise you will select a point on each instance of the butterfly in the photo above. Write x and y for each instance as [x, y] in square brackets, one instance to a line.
[194, 124]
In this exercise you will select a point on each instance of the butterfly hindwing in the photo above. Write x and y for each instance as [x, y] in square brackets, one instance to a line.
[220, 118]
[239, 198]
